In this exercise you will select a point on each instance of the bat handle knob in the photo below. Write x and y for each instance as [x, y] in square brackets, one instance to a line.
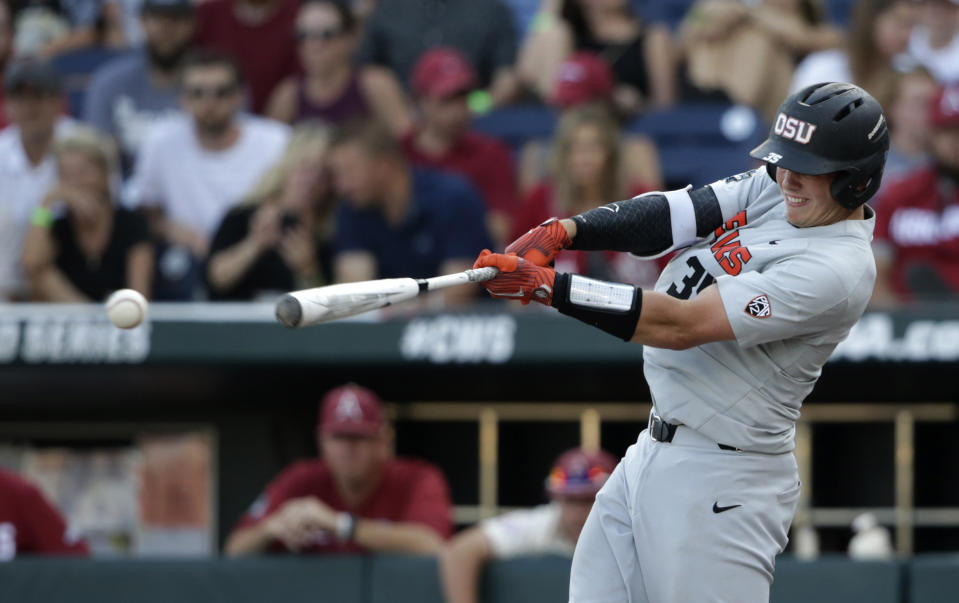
[289, 312]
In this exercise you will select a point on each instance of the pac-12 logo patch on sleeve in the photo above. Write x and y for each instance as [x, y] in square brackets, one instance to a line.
[758, 307]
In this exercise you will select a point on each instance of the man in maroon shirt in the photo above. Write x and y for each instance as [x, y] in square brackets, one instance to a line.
[30, 524]
[357, 498]
[442, 80]
[258, 34]
[917, 225]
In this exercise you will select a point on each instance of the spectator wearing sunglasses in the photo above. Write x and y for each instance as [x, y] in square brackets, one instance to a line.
[257, 34]
[196, 166]
[330, 88]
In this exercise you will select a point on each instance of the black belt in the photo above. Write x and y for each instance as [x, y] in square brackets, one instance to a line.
[661, 431]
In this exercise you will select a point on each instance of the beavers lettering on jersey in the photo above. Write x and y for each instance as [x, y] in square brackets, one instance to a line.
[727, 250]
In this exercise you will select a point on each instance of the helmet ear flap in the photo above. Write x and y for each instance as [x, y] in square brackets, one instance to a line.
[853, 188]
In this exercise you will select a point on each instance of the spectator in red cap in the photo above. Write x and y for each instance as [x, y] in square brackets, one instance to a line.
[917, 233]
[643, 65]
[356, 498]
[444, 139]
[584, 78]
[30, 524]
[553, 528]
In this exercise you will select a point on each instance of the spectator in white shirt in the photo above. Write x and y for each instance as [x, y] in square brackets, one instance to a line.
[934, 42]
[195, 167]
[554, 528]
[878, 36]
[34, 105]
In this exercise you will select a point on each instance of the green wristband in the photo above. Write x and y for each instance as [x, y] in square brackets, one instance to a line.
[479, 101]
[42, 217]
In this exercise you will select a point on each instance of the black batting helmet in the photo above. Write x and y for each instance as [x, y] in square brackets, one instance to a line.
[830, 127]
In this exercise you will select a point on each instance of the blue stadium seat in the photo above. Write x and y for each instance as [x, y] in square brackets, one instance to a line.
[700, 143]
[516, 125]
[77, 69]
[839, 11]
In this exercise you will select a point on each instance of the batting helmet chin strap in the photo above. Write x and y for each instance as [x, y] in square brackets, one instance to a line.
[851, 188]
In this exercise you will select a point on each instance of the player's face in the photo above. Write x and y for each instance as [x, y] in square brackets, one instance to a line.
[587, 155]
[892, 28]
[78, 170]
[809, 201]
[322, 41]
[354, 174]
[572, 515]
[353, 459]
[449, 116]
[910, 109]
[167, 36]
[212, 95]
[34, 111]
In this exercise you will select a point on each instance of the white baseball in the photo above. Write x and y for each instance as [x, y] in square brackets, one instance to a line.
[126, 308]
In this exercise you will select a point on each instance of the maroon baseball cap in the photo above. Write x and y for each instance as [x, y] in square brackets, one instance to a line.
[582, 78]
[351, 410]
[579, 472]
[443, 72]
[945, 107]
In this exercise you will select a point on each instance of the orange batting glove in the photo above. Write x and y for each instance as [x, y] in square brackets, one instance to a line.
[518, 278]
[541, 244]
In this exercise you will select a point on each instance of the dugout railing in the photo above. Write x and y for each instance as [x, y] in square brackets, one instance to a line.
[903, 515]
[516, 382]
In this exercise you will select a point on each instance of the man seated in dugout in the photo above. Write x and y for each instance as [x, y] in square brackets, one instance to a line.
[549, 529]
[356, 498]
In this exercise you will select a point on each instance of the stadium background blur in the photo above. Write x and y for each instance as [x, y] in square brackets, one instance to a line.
[153, 442]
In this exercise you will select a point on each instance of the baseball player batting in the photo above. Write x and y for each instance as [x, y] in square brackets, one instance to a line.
[773, 269]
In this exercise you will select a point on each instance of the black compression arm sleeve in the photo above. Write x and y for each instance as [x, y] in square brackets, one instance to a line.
[642, 225]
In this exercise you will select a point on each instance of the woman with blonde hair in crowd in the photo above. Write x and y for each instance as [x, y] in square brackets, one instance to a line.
[879, 33]
[279, 238]
[81, 246]
[585, 171]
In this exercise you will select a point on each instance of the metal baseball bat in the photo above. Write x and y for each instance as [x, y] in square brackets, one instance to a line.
[323, 304]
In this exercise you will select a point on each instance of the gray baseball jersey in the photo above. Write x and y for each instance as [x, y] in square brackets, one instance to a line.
[791, 295]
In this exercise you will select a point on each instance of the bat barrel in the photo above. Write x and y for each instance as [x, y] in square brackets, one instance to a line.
[289, 311]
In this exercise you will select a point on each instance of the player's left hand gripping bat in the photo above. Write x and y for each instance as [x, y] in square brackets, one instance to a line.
[323, 304]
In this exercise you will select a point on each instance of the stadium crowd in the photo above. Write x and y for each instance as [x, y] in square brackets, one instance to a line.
[232, 149]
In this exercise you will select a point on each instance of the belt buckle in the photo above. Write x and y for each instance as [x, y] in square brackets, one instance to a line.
[656, 425]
